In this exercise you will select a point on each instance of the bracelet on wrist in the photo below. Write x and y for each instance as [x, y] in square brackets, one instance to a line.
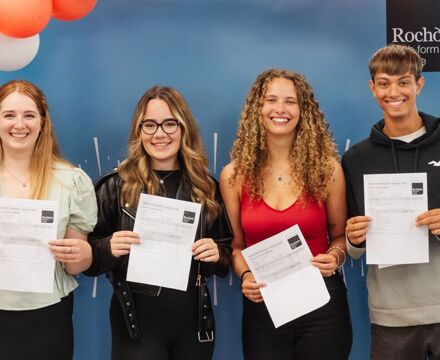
[337, 251]
[243, 274]
[337, 261]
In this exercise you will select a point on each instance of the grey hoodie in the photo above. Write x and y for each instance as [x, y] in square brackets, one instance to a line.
[402, 295]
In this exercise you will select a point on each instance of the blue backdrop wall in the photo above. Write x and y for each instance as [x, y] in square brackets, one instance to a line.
[94, 70]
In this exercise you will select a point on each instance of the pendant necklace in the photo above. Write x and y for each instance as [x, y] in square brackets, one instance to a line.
[162, 180]
[21, 182]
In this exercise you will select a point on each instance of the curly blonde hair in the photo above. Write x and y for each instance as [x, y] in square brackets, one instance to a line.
[136, 169]
[312, 151]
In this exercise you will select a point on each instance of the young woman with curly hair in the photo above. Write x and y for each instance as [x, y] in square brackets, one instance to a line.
[166, 157]
[285, 171]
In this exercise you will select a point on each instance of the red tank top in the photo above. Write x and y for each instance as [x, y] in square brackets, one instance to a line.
[260, 221]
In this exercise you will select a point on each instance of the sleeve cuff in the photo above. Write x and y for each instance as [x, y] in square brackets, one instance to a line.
[355, 251]
[360, 246]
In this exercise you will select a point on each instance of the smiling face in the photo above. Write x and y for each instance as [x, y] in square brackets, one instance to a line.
[280, 108]
[162, 148]
[396, 95]
[20, 123]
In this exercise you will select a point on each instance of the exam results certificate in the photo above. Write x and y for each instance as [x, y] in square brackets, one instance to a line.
[26, 227]
[167, 228]
[393, 201]
[294, 287]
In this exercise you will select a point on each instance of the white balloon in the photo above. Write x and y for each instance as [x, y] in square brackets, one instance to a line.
[17, 53]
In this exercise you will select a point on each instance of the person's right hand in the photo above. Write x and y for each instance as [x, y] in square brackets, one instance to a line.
[251, 289]
[357, 228]
[121, 241]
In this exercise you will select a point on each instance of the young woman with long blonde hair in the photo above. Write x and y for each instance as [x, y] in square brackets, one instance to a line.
[39, 325]
[166, 157]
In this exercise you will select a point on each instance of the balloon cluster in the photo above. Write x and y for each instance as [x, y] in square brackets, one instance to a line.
[22, 20]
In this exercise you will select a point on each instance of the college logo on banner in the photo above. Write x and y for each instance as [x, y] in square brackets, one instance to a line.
[416, 23]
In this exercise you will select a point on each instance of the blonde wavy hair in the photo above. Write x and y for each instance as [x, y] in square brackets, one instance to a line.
[46, 151]
[136, 170]
[312, 151]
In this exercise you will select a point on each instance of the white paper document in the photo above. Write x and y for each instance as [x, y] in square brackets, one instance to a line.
[26, 227]
[393, 201]
[294, 287]
[167, 228]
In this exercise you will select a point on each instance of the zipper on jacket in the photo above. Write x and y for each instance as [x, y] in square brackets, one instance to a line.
[129, 214]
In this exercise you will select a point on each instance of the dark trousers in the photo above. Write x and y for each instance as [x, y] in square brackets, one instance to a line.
[322, 334]
[45, 333]
[168, 328]
[405, 343]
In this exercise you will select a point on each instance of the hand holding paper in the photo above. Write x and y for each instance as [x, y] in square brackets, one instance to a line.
[326, 263]
[167, 229]
[251, 288]
[431, 218]
[357, 228]
[393, 201]
[121, 242]
[70, 250]
[206, 250]
[294, 287]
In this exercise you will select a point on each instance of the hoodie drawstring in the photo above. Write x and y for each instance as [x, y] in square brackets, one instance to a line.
[394, 156]
[416, 160]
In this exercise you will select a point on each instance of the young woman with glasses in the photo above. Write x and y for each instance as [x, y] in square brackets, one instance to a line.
[166, 158]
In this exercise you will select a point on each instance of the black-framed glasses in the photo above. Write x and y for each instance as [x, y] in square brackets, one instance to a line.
[168, 126]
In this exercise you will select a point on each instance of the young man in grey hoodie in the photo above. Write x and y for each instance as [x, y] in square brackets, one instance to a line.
[404, 300]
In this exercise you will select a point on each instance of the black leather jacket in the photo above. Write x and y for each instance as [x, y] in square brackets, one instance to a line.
[112, 217]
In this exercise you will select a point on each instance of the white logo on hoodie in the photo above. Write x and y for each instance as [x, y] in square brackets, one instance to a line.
[434, 163]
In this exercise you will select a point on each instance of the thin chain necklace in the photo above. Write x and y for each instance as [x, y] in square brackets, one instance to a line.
[21, 182]
[162, 180]
[282, 175]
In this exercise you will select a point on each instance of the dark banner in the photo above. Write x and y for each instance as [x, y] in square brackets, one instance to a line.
[416, 23]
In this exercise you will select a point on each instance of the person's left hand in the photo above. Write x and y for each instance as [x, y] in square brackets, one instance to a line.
[205, 250]
[70, 250]
[430, 218]
[326, 263]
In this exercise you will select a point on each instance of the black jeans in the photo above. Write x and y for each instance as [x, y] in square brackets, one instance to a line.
[168, 328]
[322, 334]
[45, 333]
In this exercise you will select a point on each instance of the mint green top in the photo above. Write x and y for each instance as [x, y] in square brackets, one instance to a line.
[73, 190]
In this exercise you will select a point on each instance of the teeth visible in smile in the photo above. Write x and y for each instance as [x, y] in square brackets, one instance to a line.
[280, 120]
[395, 102]
[19, 135]
[160, 144]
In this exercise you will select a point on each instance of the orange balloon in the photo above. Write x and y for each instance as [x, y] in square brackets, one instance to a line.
[24, 18]
[72, 9]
